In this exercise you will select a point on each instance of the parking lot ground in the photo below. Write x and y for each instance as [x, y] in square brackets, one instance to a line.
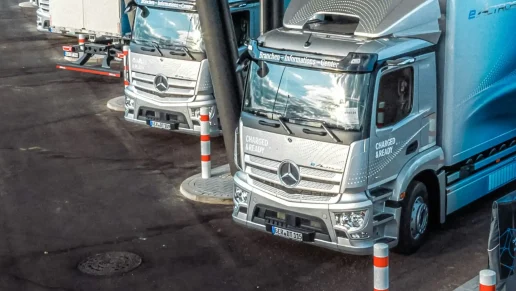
[76, 179]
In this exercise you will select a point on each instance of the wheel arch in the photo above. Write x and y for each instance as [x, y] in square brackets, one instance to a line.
[426, 168]
[430, 179]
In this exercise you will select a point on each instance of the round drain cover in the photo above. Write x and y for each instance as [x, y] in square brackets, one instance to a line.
[110, 263]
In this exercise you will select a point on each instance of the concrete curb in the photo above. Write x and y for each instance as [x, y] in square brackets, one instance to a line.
[216, 190]
[117, 104]
[27, 5]
[471, 285]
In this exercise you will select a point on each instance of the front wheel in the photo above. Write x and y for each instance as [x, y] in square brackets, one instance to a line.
[415, 216]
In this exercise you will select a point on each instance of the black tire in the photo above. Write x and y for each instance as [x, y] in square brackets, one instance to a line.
[409, 243]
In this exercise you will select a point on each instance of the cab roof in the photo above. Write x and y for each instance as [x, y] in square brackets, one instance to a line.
[375, 18]
[306, 42]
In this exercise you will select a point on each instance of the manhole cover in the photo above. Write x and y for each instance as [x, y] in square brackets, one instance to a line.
[110, 263]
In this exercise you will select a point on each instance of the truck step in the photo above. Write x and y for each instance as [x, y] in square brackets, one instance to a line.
[379, 194]
[382, 218]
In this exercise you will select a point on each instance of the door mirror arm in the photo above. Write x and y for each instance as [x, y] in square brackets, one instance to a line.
[131, 6]
[401, 62]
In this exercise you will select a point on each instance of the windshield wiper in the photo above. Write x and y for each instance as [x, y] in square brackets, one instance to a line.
[284, 125]
[155, 44]
[180, 50]
[322, 123]
[263, 113]
[259, 112]
[187, 52]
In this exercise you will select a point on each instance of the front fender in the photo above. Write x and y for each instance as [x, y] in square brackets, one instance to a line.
[431, 159]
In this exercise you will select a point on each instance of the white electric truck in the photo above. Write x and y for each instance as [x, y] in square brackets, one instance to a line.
[365, 120]
[169, 72]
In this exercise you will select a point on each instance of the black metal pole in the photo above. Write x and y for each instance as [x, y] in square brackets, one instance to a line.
[222, 68]
[232, 42]
[265, 15]
[278, 7]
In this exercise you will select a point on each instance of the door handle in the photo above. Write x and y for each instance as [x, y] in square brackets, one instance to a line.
[412, 148]
[269, 124]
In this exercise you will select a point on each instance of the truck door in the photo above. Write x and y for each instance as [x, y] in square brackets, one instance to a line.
[395, 126]
[244, 24]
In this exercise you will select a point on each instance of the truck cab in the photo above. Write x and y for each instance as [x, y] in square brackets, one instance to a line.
[169, 72]
[354, 122]
[43, 15]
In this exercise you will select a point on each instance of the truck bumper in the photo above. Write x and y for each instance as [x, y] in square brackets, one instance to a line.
[336, 238]
[43, 20]
[138, 107]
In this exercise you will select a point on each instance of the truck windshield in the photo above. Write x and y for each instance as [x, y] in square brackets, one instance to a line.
[168, 28]
[295, 94]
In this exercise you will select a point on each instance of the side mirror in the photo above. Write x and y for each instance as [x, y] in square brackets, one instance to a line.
[131, 6]
[263, 71]
[243, 61]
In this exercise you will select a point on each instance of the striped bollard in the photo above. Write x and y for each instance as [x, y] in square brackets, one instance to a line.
[205, 143]
[381, 267]
[487, 280]
[126, 65]
[82, 42]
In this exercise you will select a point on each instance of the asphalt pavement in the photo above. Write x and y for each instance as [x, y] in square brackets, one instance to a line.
[76, 180]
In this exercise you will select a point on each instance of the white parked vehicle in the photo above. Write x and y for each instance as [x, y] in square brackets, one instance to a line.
[169, 71]
[43, 15]
[102, 22]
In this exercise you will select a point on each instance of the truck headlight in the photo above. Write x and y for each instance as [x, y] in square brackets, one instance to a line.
[241, 195]
[352, 221]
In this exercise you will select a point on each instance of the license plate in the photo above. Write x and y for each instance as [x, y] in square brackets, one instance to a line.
[287, 234]
[71, 54]
[162, 125]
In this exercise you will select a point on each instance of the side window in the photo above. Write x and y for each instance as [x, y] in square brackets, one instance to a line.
[395, 97]
[241, 24]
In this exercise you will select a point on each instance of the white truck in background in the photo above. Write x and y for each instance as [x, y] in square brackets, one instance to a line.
[170, 78]
[103, 23]
[43, 15]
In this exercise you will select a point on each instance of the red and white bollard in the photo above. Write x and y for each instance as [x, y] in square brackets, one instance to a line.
[126, 65]
[205, 143]
[381, 267]
[487, 280]
[82, 41]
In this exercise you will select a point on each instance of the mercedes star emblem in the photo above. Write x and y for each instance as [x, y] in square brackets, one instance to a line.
[289, 174]
[161, 83]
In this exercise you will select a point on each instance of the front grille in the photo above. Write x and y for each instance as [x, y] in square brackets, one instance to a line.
[315, 184]
[312, 173]
[178, 88]
[296, 195]
[44, 5]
